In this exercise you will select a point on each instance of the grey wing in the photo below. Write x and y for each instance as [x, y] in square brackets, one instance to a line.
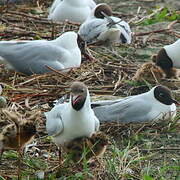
[126, 111]
[54, 122]
[62, 100]
[91, 29]
[107, 102]
[124, 28]
[31, 56]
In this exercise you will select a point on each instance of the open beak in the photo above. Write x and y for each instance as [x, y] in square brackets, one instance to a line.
[176, 102]
[75, 99]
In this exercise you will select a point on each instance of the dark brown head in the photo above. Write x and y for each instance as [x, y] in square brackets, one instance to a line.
[102, 8]
[28, 128]
[163, 61]
[163, 95]
[78, 95]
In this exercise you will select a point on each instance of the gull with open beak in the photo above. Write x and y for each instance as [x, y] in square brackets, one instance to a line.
[74, 119]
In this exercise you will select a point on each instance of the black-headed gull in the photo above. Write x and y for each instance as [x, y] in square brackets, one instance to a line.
[152, 105]
[72, 10]
[102, 26]
[69, 121]
[31, 57]
[169, 57]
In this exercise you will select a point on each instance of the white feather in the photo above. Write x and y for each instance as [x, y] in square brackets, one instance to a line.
[31, 57]
[64, 123]
[72, 10]
[95, 29]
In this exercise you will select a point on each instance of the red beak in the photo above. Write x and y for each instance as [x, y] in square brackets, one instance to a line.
[75, 99]
[176, 102]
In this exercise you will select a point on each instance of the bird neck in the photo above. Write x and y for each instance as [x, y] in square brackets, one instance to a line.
[78, 3]
[67, 40]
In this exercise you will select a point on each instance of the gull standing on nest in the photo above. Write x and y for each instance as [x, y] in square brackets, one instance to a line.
[101, 26]
[69, 121]
[72, 10]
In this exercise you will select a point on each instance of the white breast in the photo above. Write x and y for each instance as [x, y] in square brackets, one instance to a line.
[76, 124]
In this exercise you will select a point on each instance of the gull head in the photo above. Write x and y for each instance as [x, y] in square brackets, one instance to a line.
[78, 95]
[163, 95]
[164, 62]
[103, 7]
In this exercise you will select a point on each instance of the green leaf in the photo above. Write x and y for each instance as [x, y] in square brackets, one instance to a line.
[147, 177]
[162, 14]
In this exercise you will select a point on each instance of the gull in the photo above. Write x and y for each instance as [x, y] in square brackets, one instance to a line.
[152, 105]
[30, 57]
[72, 10]
[168, 58]
[74, 119]
[102, 26]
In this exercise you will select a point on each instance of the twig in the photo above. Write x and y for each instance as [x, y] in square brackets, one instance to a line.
[159, 149]
[60, 73]
[154, 76]
[150, 32]
[169, 27]
[41, 19]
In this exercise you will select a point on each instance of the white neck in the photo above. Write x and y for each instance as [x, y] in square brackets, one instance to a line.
[67, 40]
[78, 3]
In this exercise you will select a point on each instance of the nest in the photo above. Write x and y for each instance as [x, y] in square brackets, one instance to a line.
[110, 74]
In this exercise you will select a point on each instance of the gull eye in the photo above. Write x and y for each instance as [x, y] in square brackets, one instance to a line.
[162, 95]
[81, 90]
